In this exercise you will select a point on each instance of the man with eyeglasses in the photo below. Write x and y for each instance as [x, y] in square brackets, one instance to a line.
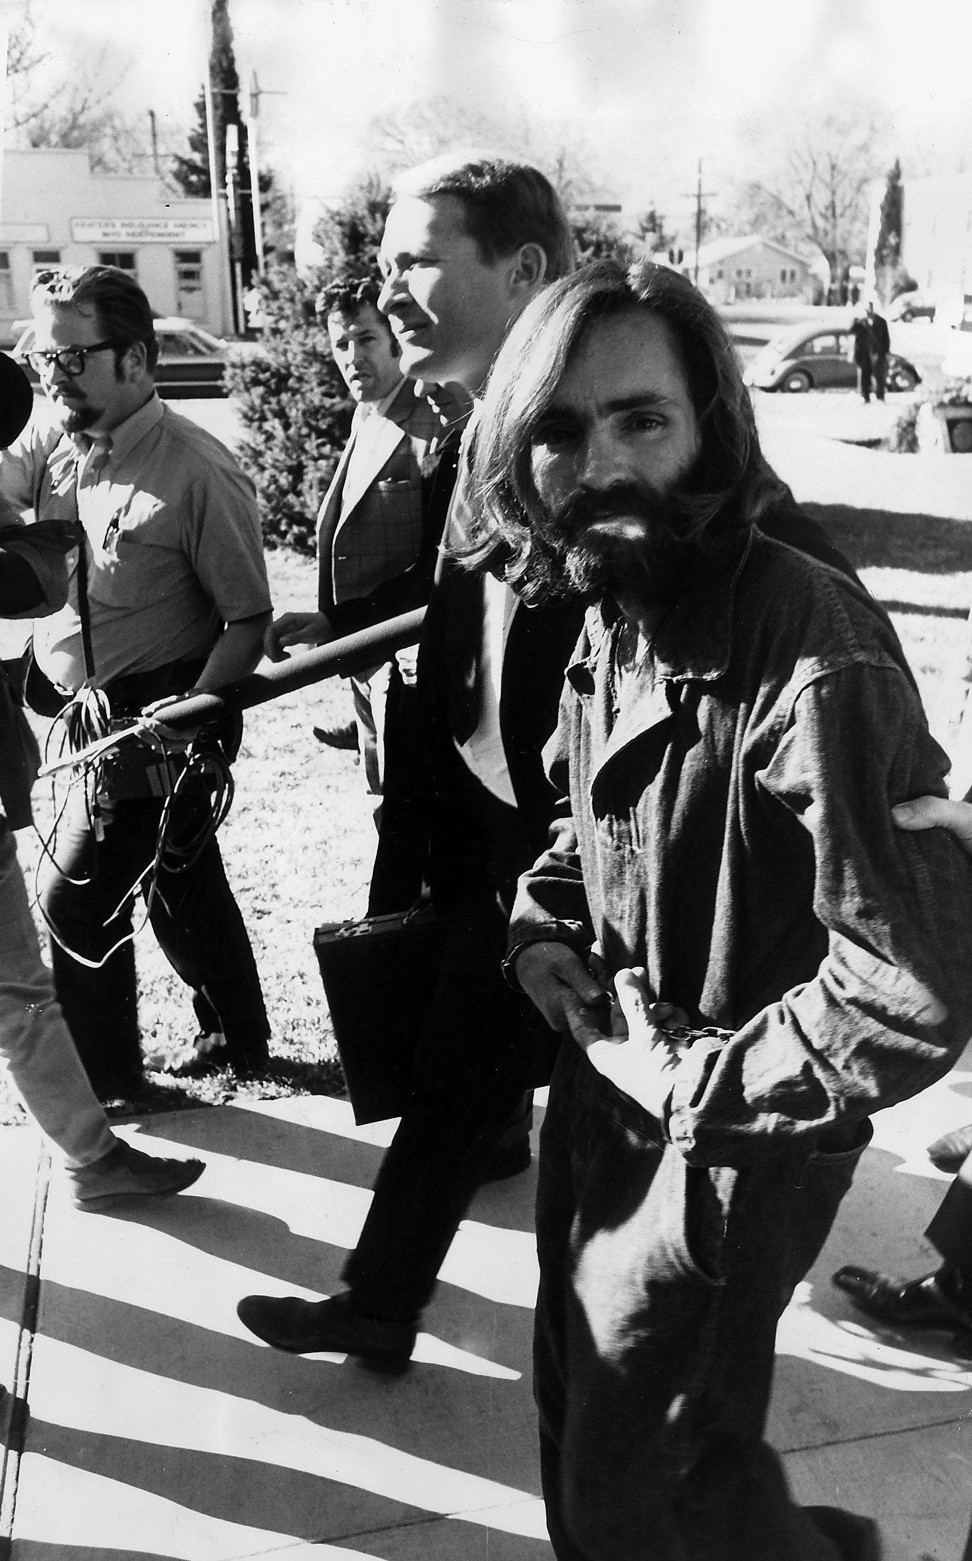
[101, 1171]
[169, 596]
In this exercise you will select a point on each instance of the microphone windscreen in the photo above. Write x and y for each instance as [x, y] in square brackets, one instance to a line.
[16, 400]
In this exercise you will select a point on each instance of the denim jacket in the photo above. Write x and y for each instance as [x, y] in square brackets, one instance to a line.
[725, 822]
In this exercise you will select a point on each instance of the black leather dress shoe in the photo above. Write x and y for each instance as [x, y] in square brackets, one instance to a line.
[338, 736]
[930, 1302]
[305, 1327]
[950, 1152]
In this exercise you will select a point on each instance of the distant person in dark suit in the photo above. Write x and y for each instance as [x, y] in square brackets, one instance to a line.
[880, 348]
[861, 354]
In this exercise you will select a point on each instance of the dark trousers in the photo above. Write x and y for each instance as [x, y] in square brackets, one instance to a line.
[879, 371]
[864, 378]
[950, 1231]
[89, 899]
[661, 1285]
[476, 1058]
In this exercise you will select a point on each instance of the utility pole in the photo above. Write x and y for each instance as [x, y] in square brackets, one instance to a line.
[255, 93]
[217, 195]
[698, 195]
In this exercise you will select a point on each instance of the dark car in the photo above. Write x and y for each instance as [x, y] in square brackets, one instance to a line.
[802, 359]
[191, 360]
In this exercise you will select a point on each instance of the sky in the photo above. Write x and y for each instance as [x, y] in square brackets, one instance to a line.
[646, 88]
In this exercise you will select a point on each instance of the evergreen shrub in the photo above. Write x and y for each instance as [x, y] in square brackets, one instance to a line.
[294, 409]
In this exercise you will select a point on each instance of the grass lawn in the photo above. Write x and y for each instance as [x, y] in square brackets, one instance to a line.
[299, 840]
[298, 845]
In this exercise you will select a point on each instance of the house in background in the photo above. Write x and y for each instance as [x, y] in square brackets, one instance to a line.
[733, 269]
[57, 212]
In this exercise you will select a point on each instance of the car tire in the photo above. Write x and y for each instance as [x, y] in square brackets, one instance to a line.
[960, 436]
[797, 383]
[902, 379]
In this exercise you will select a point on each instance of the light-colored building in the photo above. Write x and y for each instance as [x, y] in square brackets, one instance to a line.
[732, 269]
[56, 211]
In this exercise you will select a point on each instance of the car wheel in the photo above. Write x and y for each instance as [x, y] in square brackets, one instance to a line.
[906, 316]
[961, 436]
[797, 382]
[902, 379]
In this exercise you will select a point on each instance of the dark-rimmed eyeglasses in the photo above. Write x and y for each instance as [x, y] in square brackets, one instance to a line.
[70, 360]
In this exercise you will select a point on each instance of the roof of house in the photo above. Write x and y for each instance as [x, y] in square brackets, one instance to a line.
[725, 248]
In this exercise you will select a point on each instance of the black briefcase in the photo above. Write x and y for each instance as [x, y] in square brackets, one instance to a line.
[378, 975]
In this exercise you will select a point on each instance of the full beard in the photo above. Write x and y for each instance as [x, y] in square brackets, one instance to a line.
[627, 541]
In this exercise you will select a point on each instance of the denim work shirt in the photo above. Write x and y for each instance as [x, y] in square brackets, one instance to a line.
[729, 828]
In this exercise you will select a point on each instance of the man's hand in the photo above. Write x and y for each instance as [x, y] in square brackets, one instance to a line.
[937, 813]
[157, 734]
[628, 1043]
[408, 665]
[549, 974]
[296, 628]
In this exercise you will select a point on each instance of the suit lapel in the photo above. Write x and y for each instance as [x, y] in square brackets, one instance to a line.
[328, 517]
[381, 435]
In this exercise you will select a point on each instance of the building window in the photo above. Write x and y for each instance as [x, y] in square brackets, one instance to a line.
[44, 259]
[124, 259]
[6, 283]
[189, 283]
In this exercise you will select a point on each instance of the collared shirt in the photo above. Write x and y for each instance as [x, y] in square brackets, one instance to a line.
[730, 830]
[482, 752]
[361, 427]
[173, 540]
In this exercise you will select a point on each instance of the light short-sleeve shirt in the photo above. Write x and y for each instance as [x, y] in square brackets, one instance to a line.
[174, 548]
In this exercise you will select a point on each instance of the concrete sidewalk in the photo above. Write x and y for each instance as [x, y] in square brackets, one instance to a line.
[148, 1424]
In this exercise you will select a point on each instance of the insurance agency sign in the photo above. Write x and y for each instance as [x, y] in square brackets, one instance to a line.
[142, 230]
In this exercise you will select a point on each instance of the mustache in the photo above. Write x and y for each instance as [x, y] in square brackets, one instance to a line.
[585, 506]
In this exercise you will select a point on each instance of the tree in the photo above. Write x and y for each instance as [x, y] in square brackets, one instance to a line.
[651, 232]
[430, 127]
[350, 234]
[191, 170]
[597, 237]
[887, 249]
[817, 194]
[192, 173]
[293, 407]
[47, 110]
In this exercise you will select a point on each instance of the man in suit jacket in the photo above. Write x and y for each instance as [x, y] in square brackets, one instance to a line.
[376, 534]
[466, 246]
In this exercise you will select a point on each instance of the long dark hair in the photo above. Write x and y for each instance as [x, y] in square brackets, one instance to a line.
[731, 483]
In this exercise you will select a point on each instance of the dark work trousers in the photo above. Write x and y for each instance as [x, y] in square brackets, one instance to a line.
[194, 917]
[661, 1285]
[950, 1231]
[482, 1046]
